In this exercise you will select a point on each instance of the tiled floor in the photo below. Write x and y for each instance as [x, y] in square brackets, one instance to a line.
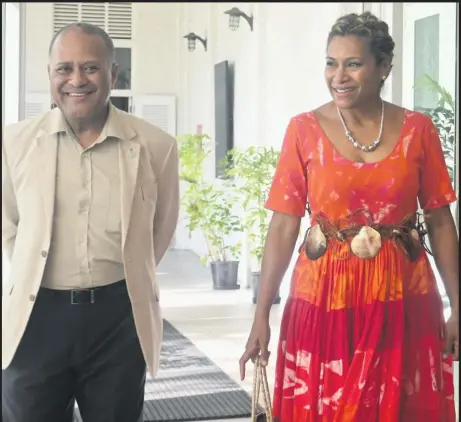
[217, 322]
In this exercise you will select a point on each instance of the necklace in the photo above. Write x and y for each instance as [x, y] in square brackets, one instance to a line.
[374, 144]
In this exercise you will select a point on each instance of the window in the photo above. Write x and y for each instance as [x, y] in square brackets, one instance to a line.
[114, 17]
[123, 59]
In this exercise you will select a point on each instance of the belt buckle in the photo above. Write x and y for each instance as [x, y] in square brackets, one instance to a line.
[73, 294]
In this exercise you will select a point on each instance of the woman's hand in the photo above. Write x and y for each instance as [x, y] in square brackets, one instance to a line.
[258, 343]
[445, 246]
[452, 337]
[280, 242]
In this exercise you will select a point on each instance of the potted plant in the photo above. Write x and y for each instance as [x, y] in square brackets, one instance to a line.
[253, 170]
[209, 208]
[219, 225]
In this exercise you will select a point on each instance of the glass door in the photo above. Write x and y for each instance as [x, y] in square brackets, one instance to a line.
[429, 63]
[429, 82]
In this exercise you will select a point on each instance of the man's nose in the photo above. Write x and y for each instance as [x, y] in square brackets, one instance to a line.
[78, 78]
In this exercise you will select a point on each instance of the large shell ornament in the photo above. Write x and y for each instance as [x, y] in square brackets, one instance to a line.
[367, 243]
[316, 243]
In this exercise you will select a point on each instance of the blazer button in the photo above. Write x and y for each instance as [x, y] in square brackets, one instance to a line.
[44, 254]
[32, 298]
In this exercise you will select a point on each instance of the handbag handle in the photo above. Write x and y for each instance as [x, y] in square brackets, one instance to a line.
[260, 382]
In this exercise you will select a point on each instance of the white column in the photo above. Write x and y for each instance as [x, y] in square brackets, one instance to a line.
[22, 61]
[392, 14]
[11, 72]
[394, 18]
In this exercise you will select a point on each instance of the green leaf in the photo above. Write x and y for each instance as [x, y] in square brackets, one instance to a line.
[428, 83]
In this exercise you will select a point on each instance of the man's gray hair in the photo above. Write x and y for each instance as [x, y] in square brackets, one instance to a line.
[89, 29]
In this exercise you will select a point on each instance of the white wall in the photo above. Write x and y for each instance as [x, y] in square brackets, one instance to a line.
[11, 63]
[155, 46]
[10, 77]
[39, 31]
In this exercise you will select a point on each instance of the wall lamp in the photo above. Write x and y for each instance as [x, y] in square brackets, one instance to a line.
[191, 41]
[234, 18]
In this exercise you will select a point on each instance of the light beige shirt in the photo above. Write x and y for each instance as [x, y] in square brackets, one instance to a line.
[86, 248]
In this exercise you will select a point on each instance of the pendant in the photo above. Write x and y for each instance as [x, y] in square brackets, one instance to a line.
[374, 144]
[316, 243]
[367, 243]
[364, 148]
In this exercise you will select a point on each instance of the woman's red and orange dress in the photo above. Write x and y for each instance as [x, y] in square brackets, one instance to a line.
[362, 340]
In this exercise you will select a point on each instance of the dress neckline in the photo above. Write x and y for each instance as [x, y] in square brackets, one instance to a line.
[331, 146]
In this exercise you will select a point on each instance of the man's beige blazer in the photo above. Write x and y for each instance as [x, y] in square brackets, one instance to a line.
[148, 161]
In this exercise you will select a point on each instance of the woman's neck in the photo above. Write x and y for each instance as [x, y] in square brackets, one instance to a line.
[364, 114]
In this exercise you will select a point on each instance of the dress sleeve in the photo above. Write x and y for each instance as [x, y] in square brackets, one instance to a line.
[288, 192]
[436, 189]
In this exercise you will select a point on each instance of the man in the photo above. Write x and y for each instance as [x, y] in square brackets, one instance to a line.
[90, 205]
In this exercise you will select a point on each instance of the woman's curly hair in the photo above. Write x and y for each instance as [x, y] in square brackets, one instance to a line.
[368, 26]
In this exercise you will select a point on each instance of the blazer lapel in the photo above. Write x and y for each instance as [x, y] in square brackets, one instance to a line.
[47, 146]
[129, 162]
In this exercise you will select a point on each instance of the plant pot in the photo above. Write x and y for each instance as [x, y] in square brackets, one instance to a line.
[225, 275]
[255, 277]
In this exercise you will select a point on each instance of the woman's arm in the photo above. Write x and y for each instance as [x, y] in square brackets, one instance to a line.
[280, 242]
[445, 247]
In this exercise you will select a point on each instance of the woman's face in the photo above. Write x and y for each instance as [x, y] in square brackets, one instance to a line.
[352, 74]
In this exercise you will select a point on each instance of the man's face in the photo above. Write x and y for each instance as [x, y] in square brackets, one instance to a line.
[81, 76]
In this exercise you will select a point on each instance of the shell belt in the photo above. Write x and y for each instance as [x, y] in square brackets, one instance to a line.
[365, 239]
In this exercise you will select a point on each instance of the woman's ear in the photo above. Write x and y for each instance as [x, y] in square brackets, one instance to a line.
[387, 67]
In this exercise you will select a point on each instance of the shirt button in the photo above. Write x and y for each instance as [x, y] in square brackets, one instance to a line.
[44, 254]
[32, 298]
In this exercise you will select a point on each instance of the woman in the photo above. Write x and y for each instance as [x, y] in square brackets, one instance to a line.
[363, 337]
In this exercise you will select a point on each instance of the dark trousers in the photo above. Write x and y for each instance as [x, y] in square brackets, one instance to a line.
[87, 352]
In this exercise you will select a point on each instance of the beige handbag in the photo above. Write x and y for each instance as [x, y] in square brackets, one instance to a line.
[260, 383]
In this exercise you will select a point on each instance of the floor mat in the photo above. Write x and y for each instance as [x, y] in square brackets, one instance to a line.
[190, 387]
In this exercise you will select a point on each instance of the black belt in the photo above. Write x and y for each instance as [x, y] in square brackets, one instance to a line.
[90, 296]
